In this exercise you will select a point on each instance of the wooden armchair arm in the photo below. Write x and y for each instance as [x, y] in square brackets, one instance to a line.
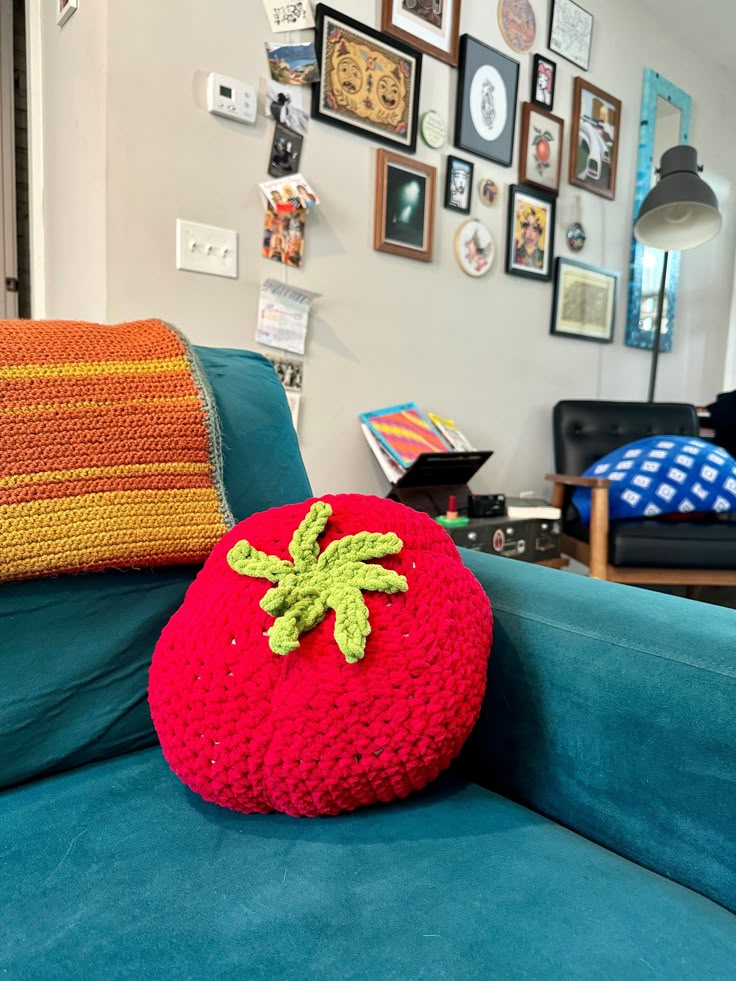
[598, 515]
[570, 480]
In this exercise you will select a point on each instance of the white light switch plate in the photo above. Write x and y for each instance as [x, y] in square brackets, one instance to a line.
[206, 249]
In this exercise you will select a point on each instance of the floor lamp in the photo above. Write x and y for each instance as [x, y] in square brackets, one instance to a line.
[680, 212]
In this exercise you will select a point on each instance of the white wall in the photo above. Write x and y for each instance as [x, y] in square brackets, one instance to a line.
[388, 329]
[75, 162]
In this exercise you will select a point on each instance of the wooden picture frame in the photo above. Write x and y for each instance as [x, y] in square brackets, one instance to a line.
[530, 251]
[584, 305]
[403, 221]
[571, 32]
[540, 149]
[485, 112]
[409, 27]
[369, 83]
[458, 184]
[595, 132]
[544, 76]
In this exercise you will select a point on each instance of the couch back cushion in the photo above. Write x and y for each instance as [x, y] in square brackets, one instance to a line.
[76, 649]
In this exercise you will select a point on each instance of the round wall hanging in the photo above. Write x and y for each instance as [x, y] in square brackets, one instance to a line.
[518, 24]
[474, 249]
[576, 237]
[488, 191]
[433, 129]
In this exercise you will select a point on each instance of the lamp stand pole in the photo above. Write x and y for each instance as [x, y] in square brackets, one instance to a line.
[658, 332]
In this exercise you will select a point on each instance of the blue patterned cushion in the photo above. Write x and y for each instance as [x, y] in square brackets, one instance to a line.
[663, 475]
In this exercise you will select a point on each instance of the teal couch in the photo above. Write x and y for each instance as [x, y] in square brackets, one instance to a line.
[588, 830]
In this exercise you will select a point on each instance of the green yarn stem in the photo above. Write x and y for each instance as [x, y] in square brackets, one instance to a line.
[314, 583]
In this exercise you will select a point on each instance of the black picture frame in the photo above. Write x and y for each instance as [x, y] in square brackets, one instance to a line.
[566, 38]
[341, 114]
[286, 151]
[541, 65]
[600, 306]
[456, 166]
[479, 126]
[529, 204]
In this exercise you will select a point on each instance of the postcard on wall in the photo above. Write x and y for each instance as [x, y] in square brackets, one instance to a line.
[283, 316]
[289, 15]
[290, 372]
[283, 237]
[287, 104]
[288, 194]
[293, 64]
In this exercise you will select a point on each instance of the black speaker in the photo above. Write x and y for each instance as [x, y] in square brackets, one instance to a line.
[486, 505]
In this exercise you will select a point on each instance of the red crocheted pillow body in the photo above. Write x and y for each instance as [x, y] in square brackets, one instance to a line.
[331, 725]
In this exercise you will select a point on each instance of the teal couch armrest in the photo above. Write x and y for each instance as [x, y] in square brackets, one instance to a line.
[612, 710]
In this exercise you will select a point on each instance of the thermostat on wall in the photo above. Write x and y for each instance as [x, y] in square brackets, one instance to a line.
[230, 98]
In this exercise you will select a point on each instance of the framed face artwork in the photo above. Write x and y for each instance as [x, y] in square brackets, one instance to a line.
[369, 83]
[540, 160]
[458, 184]
[594, 139]
[544, 71]
[571, 32]
[404, 210]
[585, 301]
[486, 101]
[432, 26]
[530, 234]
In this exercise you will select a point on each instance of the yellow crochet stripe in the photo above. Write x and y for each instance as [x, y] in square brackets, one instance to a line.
[113, 528]
[110, 404]
[70, 369]
[86, 473]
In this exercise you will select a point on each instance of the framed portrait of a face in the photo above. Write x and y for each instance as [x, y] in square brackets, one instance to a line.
[585, 301]
[544, 71]
[403, 221]
[369, 83]
[458, 184]
[594, 139]
[542, 141]
[530, 234]
[432, 26]
[486, 101]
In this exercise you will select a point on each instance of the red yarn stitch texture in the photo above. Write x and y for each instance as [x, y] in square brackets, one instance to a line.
[307, 733]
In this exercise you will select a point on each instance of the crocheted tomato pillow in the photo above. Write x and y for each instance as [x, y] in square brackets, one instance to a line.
[330, 654]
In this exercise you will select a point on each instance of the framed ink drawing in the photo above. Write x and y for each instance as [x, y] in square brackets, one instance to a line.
[369, 83]
[594, 139]
[571, 32]
[486, 101]
[432, 26]
[403, 222]
[585, 301]
[530, 234]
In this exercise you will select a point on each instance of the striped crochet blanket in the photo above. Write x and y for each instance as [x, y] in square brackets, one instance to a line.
[109, 449]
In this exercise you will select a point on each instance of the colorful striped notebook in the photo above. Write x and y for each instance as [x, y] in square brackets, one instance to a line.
[405, 432]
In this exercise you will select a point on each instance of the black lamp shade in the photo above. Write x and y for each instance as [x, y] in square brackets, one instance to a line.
[681, 211]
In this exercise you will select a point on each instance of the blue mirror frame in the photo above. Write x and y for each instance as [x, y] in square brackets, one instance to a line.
[655, 87]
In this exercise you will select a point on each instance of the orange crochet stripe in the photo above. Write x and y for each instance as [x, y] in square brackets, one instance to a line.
[109, 449]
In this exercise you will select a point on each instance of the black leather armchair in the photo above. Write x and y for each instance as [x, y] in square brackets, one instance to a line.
[700, 552]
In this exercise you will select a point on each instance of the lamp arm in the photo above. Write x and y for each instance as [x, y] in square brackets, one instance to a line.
[658, 332]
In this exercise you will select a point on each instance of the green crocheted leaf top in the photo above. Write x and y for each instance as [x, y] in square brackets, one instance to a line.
[314, 583]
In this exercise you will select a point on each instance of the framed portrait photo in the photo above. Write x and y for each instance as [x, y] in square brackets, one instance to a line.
[530, 234]
[403, 221]
[594, 139]
[369, 83]
[544, 72]
[486, 101]
[542, 142]
[432, 26]
[585, 301]
[571, 32]
[458, 184]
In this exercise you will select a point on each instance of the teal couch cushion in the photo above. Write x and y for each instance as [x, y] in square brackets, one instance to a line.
[118, 871]
[613, 711]
[76, 649]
